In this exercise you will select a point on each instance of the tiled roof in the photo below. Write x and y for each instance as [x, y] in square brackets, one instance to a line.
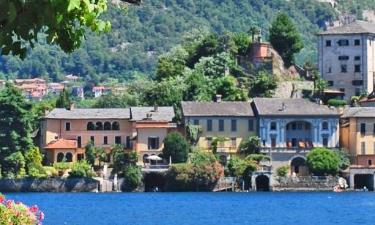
[62, 144]
[290, 107]
[119, 113]
[217, 109]
[161, 114]
[356, 27]
[367, 112]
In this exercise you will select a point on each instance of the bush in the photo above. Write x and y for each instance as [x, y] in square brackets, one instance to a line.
[122, 159]
[18, 213]
[336, 102]
[344, 159]
[15, 165]
[176, 147]
[258, 157]
[282, 171]
[62, 166]
[36, 171]
[81, 169]
[241, 168]
[33, 158]
[322, 161]
[250, 145]
[132, 178]
[50, 171]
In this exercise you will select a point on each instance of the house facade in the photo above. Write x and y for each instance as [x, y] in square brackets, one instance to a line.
[229, 122]
[68, 131]
[347, 58]
[290, 128]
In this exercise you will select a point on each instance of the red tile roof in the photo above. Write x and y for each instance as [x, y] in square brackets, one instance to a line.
[62, 144]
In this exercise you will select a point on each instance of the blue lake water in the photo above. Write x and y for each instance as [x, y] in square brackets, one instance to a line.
[203, 208]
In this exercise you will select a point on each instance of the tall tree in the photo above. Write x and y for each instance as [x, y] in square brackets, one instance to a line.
[285, 38]
[15, 123]
[63, 101]
[63, 23]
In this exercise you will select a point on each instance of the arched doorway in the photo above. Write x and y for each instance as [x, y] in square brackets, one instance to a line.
[60, 157]
[298, 166]
[154, 181]
[364, 180]
[262, 183]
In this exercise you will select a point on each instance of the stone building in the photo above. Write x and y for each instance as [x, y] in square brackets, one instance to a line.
[290, 128]
[347, 58]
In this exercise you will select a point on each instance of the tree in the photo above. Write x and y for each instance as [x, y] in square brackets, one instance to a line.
[250, 145]
[285, 38]
[192, 133]
[14, 165]
[238, 167]
[15, 124]
[112, 100]
[176, 147]
[132, 178]
[89, 153]
[322, 161]
[262, 85]
[33, 160]
[63, 101]
[62, 22]
[122, 159]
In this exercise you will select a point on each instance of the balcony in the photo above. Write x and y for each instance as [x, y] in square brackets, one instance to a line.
[296, 150]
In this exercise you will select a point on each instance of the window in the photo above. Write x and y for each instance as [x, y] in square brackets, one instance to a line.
[325, 141]
[79, 142]
[107, 126]
[330, 83]
[80, 157]
[273, 142]
[233, 125]
[357, 91]
[294, 126]
[342, 90]
[196, 122]
[118, 140]
[357, 68]
[357, 58]
[363, 148]
[373, 129]
[357, 42]
[307, 126]
[343, 57]
[329, 70]
[273, 125]
[105, 140]
[294, 142]
[69, 157]
[60, 157]
[357, 82]
[233, 142]
[369, 162]
[250, 125]
[153, 143]
[328, 43]
[324, 126]
[92, 139]
[209, 125]
[90, 126]
[221, 125]
[299, 126]
[363, 128]
[343, 42]
[128, 143]
[67, 126]
[99, 126]
[115, 126]
[344, 68]
[209, 142]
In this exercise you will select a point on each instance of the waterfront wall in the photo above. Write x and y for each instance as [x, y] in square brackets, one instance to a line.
[304, 183]
[49, 185]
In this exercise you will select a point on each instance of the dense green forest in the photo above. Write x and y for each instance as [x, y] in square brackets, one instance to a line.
[141, 33]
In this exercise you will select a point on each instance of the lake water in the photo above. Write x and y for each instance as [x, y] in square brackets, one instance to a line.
[203, 208]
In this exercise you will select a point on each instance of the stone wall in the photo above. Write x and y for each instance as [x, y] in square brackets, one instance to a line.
[49, 185]
[304, 183]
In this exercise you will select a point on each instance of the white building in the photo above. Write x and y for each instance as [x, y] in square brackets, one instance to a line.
[347, 58]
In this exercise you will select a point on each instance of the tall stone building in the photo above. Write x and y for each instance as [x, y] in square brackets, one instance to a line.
[347, 58]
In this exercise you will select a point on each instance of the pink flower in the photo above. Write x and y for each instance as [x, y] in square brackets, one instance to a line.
[2, 198]
[34, 209]
[41, 216]
[9, 203]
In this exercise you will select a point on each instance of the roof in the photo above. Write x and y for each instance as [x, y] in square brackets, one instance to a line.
[369, 98]
[62, 144]
[291, 107]
[357, 112]
[161, 114]
[356, 27]
[119, 113]
[225, 108]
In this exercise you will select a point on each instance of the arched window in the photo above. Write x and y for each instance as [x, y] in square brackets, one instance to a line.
[90, 126]
[115, 126]
[69, 157]
[325, 125]
[107, 126]
[60, 157]
[99, 126]
[273, 125]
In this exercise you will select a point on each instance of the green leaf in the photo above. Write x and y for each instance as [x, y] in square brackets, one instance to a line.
[12, 12]
[73, 4]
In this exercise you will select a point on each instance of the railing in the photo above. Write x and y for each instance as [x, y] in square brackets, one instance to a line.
[285, 150]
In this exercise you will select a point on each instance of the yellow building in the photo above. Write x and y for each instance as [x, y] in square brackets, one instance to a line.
[67, 131]
[357, 135]
[229, 122]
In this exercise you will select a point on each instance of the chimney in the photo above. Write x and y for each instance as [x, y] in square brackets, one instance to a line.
[71, 106]
[218, 98]
[156, 108]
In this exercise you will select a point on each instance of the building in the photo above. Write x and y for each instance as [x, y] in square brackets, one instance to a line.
[34, 89]
[78, 92]
[368, 101]
[231, 122]
[347, 58]
[290, 128]
[357, 135]
[100, 90]
[55, 88]
[66, 132]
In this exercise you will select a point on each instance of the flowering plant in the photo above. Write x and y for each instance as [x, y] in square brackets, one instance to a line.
[16, 213]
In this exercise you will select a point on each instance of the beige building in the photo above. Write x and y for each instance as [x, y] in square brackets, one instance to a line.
[347, 58]
[67, 131]
[229, 122]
